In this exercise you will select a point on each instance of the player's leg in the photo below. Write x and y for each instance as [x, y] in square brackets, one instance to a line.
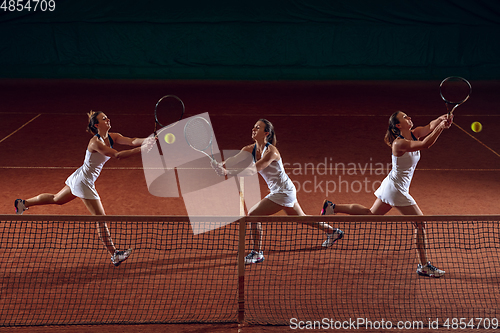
[333, 234]
[352, 209]
[420, 236]
[295, 210]
[424, 267]
[263, 207]
[378, 208]
[96, 208]
[60, 198]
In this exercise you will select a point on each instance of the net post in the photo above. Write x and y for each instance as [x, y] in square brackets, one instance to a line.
[241, 271]
[241, 254]
[242, 195]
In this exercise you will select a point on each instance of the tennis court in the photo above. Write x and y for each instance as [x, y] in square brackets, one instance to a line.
[330, 136]
[332, 130]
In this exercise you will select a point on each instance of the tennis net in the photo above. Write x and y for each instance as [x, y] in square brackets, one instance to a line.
[55, 271]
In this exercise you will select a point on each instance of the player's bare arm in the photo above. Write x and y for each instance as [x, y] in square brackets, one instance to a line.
[422, 131]
[123, 140]
[401, 146]
[97, 145]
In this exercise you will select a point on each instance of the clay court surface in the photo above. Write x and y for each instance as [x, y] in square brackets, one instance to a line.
[321, 127]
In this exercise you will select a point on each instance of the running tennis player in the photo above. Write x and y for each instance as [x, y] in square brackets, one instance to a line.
[283, 194]
[406, 144]
[81, 183]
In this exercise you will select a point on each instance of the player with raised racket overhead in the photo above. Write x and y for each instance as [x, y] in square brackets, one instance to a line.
[81, 183]
[283, 194]
[405, 143]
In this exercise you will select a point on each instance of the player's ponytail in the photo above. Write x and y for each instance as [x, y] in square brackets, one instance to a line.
[93, 121]
[271, 137]
[393, 132]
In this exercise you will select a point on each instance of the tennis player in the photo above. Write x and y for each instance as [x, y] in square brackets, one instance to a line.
[406, 144]
[283, 194]
[81, 183]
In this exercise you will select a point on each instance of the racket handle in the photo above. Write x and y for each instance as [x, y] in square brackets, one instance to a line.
[158, 144]
[218, 168]
[242, 195]
[450, 113]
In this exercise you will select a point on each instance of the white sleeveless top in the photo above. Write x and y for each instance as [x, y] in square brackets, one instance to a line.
[395, 188]
[81, 182]
[283, 191]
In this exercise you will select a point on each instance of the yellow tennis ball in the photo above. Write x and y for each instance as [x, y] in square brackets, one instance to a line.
[476, 126]
[169, 138]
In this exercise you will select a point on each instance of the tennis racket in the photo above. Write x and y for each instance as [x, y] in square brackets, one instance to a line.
[199, 136]
[168, 110]
[454, 91]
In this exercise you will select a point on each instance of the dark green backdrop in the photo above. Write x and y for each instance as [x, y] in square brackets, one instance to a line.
[284, 39]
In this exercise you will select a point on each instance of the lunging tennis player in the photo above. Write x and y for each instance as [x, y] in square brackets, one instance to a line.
[81, 183]
[394, 190]
[283, 194]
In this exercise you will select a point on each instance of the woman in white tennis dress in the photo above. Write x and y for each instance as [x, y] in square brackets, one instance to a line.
[81, 183]
[406, 144]
[283, 194]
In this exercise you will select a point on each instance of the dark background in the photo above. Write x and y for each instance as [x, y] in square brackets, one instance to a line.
[265, 40]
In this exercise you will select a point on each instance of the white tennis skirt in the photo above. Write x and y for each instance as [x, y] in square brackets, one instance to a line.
[390, 194]
[283, 198]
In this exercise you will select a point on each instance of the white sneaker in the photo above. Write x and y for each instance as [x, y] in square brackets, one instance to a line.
[20, 206]
[328, 208]
[254, 257]
[333, 237]
[429, 270]
[120, 256]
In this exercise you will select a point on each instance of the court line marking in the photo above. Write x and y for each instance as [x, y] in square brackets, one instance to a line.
[315, 171]
[140, 168]
[472, 136]
[17, 130]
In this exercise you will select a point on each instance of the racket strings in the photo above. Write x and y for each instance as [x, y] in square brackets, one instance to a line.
[455, 90]
[455, 97]
[169, 110]
[198, 134]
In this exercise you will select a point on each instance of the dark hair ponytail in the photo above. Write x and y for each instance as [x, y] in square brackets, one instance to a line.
[93, 121]
[393, 132]
[271, 137]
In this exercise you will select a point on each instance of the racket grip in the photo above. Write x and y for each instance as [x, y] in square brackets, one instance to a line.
[449, 121]
[450, 113]
[158, 144]
[218, 168]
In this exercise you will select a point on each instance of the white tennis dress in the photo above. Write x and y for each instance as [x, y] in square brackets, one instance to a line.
[395, 188]
[283, 191]
[81, 182]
